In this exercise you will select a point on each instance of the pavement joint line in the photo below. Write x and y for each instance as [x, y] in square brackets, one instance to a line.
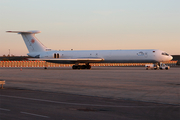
[34, 114]
[77, 104]
[5, 109]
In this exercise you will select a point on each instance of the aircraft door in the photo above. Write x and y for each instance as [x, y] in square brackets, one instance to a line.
[56, 55]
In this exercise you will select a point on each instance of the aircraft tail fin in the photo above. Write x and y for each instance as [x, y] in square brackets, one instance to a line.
[32, 43]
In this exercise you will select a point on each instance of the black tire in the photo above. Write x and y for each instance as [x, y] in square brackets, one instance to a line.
[79, 67]
[74, 67]
[88, 67]
[83, 67]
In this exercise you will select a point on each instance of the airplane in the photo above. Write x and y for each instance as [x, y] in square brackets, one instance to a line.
[39, 52]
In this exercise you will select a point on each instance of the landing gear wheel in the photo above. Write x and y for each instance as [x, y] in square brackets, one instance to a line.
[81, 67]
[88, 67]
[74, 67]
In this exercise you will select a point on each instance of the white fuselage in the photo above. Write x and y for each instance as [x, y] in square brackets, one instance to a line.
[109, 56]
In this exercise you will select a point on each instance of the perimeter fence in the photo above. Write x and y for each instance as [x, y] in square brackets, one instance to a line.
[47, 64]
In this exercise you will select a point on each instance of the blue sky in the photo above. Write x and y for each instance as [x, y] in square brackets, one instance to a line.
[92, 24]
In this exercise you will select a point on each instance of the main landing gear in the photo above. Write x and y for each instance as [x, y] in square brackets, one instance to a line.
[87, 66]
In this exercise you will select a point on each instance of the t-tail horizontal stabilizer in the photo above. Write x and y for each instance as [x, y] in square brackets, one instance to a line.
[25, 32]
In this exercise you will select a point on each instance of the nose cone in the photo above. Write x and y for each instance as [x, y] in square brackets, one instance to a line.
[170, 57]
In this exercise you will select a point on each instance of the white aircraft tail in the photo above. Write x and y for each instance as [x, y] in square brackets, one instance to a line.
[32, 43]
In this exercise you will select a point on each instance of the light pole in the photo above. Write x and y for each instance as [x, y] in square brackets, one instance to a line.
[9, 53]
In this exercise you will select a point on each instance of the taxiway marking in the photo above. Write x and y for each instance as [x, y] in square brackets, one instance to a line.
[34, 114]
[77, 104]
[5, 109]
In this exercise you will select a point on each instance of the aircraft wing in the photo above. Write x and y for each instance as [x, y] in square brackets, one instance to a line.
[74, 60]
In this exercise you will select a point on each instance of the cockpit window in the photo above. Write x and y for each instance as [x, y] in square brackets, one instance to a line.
[165, 54]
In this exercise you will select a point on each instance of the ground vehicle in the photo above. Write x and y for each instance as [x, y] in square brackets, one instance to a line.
[152, 66]
[163, 66]
[156, 66]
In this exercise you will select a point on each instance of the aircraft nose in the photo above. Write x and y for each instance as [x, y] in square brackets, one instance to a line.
[171, 57]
